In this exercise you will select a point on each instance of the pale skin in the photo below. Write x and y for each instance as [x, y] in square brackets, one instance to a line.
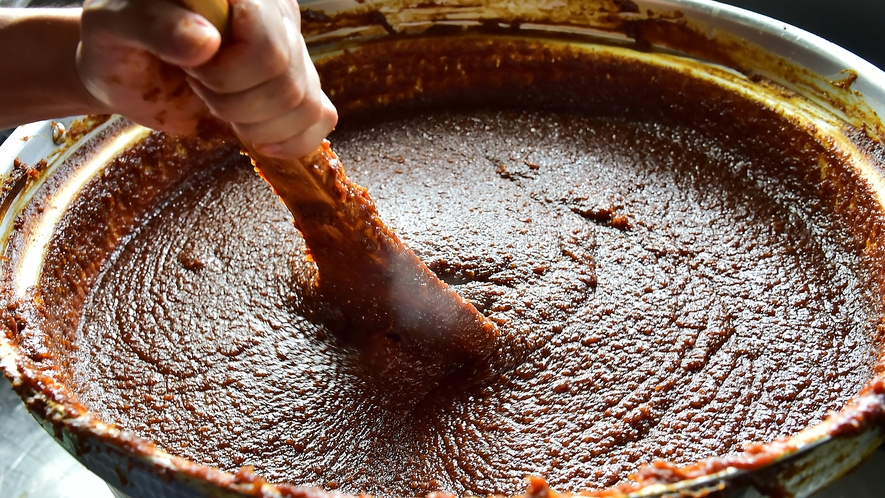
[165, 67]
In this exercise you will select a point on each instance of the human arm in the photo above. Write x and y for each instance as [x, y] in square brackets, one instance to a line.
[164, 67]
[39, 80]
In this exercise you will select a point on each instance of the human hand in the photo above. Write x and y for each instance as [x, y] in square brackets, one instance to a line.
[166, 68]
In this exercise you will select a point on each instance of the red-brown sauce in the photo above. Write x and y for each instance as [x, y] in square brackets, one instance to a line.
[672, 273]
[714, 313]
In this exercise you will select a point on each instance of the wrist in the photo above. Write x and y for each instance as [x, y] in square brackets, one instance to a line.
[38, 53]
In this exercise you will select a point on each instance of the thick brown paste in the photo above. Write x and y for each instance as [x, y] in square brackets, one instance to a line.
[369, 287]
[657, 294]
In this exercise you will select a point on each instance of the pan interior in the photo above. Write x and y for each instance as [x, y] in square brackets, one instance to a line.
[670, 263]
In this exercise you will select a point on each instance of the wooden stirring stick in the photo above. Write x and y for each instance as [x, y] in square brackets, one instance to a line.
[385, 293]
[379, 293]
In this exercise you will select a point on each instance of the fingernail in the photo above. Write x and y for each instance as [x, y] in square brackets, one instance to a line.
[192, 34]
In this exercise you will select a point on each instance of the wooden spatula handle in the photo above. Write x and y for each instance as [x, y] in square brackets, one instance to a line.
[216, 12]
[411, 325]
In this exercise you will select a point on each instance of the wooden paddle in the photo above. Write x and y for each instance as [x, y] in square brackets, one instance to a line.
[379, 294]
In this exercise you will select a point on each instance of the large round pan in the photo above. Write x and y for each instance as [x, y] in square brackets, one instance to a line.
[835, 92]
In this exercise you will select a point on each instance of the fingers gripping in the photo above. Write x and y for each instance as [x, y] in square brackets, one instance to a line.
[264, 83]
[165, 29]
[259, 49]
[134, 56]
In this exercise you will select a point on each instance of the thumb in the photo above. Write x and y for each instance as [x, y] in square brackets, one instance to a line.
[165, 29]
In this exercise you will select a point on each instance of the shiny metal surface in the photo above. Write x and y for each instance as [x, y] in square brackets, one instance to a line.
[853, 24]
[32, 464]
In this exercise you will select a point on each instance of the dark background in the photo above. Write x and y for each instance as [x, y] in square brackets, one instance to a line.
[857, 25]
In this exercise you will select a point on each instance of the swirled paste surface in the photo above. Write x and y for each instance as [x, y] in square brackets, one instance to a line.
[658, 299]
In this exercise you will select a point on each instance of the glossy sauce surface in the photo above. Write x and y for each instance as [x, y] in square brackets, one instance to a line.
[658, 299]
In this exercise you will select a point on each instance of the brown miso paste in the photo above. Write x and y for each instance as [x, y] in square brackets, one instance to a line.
[665, 288]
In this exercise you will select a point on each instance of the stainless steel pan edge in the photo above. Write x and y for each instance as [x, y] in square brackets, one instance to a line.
[816, 461]
[823, 66]
[815, 68]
